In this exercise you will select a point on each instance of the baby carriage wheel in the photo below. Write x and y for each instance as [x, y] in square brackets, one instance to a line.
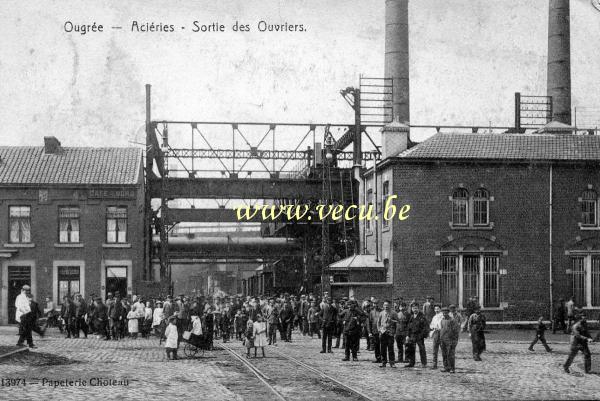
[190, 350]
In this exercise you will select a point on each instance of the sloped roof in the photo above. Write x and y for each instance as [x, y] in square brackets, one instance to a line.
[30, 165]
[507, 146]
[357, 262]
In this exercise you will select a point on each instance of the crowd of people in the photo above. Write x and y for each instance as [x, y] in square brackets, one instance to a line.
[393, 329]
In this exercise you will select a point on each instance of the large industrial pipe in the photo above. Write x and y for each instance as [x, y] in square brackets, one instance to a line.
[258, 242]
[396, 56]
[559, 60]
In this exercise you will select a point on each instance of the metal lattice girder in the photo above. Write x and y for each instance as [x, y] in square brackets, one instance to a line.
[236, 188]
[254, 153]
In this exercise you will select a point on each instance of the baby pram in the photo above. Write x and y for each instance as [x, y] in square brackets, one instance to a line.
[195, 345]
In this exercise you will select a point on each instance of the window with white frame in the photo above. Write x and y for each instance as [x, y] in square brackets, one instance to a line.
[481, 207]
[369, 202]
[19, 224]
[464, 276]
[585, 271]
[460, 207]
[470, 211]
[116, 224]
[589, 202]
[384, 197]
[68, 224]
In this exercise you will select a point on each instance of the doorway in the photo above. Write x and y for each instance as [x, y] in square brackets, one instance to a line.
[18, 276]
[116, 280]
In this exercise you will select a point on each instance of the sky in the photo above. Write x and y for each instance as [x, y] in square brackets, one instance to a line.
[467, 58]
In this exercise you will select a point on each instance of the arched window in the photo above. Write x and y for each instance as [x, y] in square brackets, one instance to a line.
[460, 207]
[588, 207]
[481, 207]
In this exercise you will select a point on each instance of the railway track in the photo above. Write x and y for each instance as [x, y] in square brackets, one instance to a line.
[257, 372]
[301, 378]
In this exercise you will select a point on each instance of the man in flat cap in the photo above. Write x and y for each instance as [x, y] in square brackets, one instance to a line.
[352, 318]
[449, 332]
[580, 337]
[476, 327]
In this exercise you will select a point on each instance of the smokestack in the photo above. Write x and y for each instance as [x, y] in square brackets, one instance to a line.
[396, 56]
[559, 61]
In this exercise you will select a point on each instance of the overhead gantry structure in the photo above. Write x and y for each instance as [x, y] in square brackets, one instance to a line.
[320, 172]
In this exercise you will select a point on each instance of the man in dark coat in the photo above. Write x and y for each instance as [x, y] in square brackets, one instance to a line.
[339, 329]
[272, 318]
[80, 311]
[352, 318]
[580, 337]
[417, 331]
[67, 313]
[402, 330]
[116, 317]
[209, 326]
[560, 313]
[476, 327]
[328, 315]
[449, 332]
[286, 320]
[100, 318]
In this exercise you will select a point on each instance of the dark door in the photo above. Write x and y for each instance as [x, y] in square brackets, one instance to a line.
[116, 280]
[18, 276]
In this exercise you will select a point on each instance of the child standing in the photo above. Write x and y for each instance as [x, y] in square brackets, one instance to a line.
[313, 320]
[249, 337]
[171, 344]
[132, 323]
[260, 334]
[539, 335]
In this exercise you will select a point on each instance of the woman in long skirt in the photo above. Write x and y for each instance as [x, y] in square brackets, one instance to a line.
[260, 334]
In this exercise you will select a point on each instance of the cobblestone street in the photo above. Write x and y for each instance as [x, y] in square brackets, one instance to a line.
[141, 371]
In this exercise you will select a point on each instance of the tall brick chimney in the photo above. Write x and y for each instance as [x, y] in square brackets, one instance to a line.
[559, 60]
[396, 56]
[51, 145]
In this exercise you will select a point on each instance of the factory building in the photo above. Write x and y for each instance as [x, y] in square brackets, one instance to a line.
[509, 218]
[71, 220]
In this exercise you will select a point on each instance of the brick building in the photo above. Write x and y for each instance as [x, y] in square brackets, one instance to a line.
[71, 220]
[509, 218]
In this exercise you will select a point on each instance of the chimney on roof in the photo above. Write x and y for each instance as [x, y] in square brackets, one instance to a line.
[51, 145]
[394, 138]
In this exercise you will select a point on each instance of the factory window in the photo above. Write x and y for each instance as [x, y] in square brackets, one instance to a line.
[491, 281]
[116, 225]
[68, 224]
[460, 207]
[449, 280]
[384, 196]
[465, 276]
[589, 201]
[20, 224]
[585, 270]
[579, 280]
[369, 202]
[481, 207]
